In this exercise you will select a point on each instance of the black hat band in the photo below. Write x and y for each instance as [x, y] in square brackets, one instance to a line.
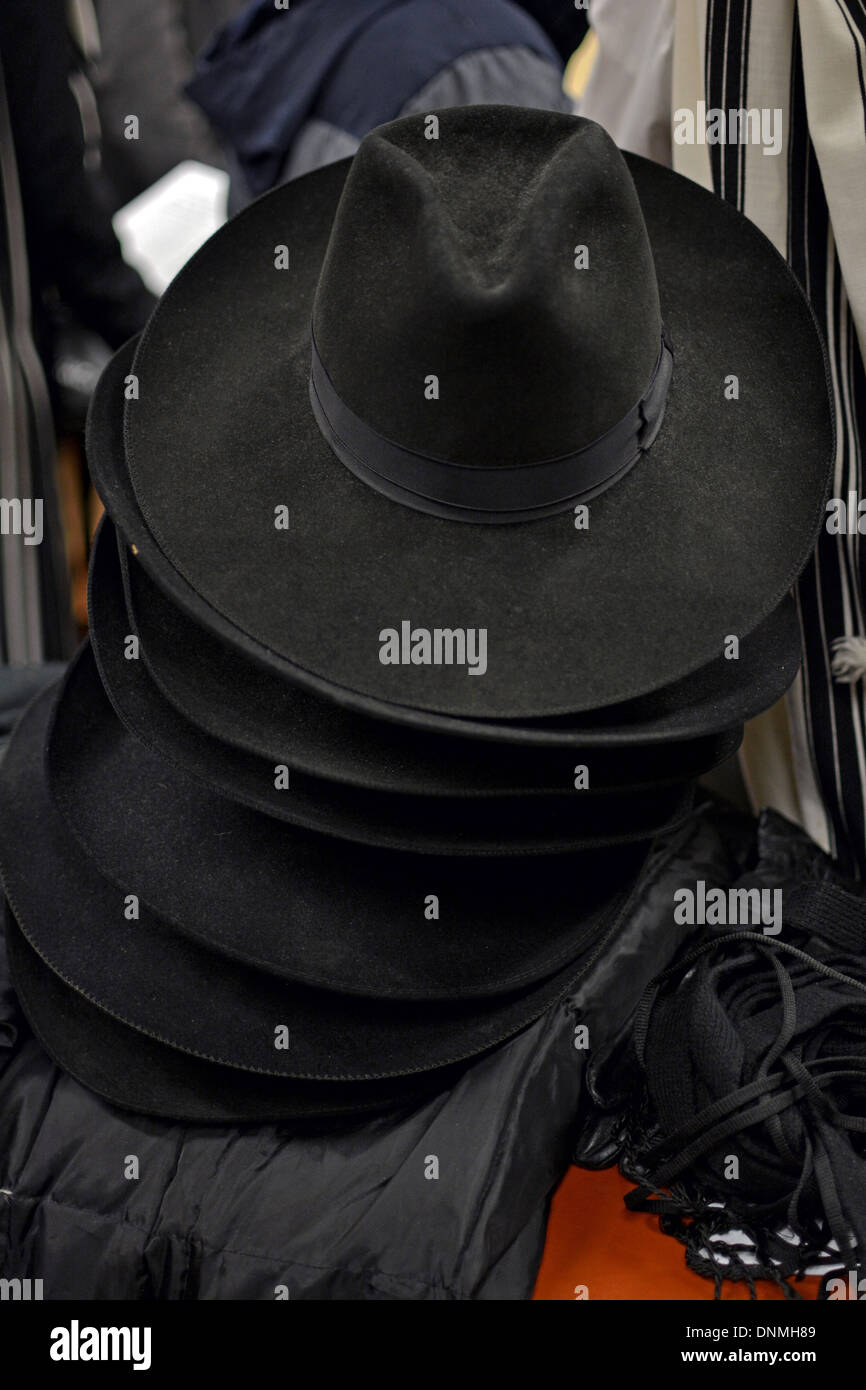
[466, 492]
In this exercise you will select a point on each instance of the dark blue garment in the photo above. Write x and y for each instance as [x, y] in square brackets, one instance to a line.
[352, 63]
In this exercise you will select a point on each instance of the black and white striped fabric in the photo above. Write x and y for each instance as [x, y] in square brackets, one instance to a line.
[803, 63]
[807, 61]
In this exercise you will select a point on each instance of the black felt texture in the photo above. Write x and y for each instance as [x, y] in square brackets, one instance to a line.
[456, 257]
[438, 823]
[135, 1072]
[283, 711]
[153, 978]
[700, 540]
[238, 702]
[304, 906]
[500, 827]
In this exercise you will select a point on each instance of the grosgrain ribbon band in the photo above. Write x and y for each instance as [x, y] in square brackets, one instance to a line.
[507, 493]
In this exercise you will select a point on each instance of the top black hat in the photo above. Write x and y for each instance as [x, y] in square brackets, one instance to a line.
[223, 688]
[438, 351]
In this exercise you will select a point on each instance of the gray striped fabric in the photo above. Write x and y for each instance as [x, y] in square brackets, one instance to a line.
[34, 601]
[807, 60]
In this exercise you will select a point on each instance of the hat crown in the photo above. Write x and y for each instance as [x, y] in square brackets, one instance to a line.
[489, 294]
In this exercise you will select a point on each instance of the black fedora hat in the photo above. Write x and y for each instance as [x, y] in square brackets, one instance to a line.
[294, 904]
[479, 317]
[176, 989]
[222, 688]
[135, 1071]
[498, 826]
[246, 705]
[394, 762]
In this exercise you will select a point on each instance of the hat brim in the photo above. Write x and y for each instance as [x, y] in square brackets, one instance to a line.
[700, 540]
[276, 710]
[296, 905]
[501, 827]
[354, 809]
[132, 1070]
[159, 980]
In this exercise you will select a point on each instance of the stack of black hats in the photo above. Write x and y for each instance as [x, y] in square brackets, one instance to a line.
[454, 495]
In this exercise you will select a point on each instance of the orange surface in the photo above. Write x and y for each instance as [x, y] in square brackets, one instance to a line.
[593, 1241]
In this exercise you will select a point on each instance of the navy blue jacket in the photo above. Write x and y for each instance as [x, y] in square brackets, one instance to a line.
[324, 72]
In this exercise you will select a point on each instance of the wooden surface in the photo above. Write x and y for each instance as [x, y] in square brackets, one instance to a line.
[593, 1242]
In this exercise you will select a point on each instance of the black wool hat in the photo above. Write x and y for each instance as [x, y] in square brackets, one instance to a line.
[496, 826]
[366, 465]
[135, 1071]
[229, 694]
[188, 993]
[299, 905]
[440, 821]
